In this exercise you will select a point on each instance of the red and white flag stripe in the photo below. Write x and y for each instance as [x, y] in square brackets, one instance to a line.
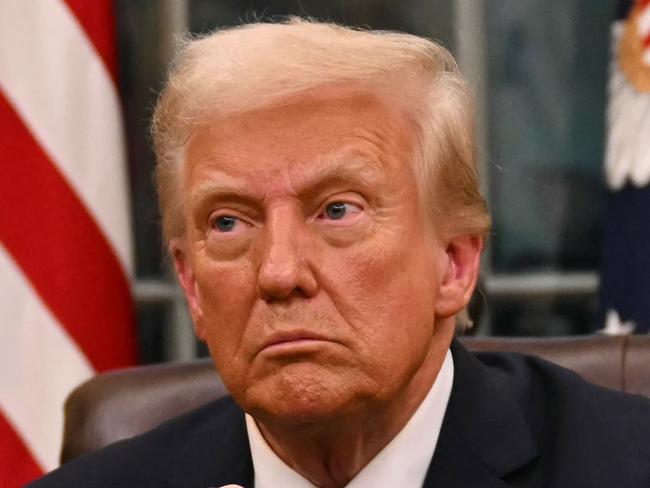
[65, 248]
[644, 30]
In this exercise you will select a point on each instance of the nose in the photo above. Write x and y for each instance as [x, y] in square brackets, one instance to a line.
[285, 266]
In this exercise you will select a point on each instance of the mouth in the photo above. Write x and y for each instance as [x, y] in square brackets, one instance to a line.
[291, 342]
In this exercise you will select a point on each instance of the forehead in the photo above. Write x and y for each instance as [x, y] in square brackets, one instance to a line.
[353, 133]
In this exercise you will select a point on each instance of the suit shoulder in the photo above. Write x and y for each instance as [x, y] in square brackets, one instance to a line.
[531, 378]
[142, 460]
[589, 427]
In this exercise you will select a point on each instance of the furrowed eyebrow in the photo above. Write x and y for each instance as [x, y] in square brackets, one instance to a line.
[343, 170]
[213, 190]
[354, 170]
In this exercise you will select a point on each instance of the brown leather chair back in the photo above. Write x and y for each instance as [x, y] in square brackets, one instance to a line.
[121, 404]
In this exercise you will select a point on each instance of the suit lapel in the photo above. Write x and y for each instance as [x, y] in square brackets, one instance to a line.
[455, 465]
[484, 435]
[218, 455]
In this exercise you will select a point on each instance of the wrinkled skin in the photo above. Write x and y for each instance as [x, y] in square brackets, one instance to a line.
[323, 293]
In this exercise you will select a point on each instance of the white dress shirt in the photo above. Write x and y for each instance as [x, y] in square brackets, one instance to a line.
[403, 462]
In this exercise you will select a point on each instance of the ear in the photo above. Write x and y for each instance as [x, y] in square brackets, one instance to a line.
[185, 274]
[463, 260]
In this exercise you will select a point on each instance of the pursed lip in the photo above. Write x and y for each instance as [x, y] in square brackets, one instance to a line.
[294, 337]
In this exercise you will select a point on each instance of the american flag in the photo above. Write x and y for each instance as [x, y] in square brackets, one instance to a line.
[65, 249]
[625, 289]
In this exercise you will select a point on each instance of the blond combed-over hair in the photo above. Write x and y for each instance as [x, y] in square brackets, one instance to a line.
[260, 65]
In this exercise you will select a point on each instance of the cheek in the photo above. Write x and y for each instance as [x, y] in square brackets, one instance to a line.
[227, 292]
[388, 293]
[391, 318]
[394, 273]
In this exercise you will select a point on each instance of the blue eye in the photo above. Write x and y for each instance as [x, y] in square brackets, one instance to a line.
[336, 210]
[225, 223]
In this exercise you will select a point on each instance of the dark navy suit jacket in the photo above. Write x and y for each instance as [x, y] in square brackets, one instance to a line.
[512, 421]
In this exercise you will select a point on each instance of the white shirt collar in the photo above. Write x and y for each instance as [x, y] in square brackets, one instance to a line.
[403, 462]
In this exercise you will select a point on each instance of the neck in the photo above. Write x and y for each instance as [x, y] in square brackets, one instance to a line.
[331, 453]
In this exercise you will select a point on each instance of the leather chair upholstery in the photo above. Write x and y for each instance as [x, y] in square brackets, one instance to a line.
[121, 404]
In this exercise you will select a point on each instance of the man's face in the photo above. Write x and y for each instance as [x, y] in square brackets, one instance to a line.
[309, 268]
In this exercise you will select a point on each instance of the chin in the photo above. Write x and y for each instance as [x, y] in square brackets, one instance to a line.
[295, 396]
